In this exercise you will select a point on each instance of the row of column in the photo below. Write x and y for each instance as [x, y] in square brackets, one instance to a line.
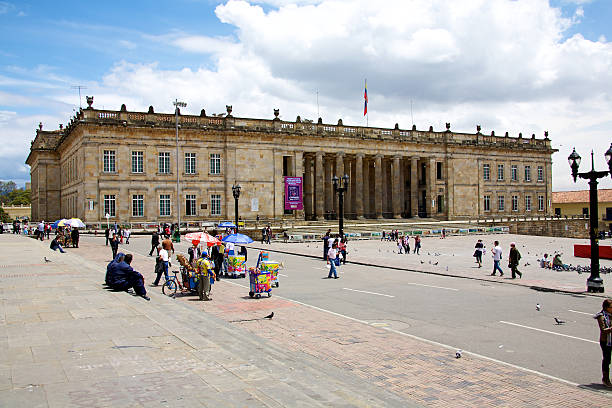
[379, 186]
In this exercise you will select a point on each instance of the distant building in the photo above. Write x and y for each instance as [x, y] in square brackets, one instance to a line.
[17, 211]
[124, 164]
[568, 203]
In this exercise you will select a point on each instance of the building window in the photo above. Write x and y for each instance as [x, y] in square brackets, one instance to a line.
[500, 172]
[439, 172]
[190, 163]
[137, 205]
[540, 203]
[527, 173]
[527, 203]
[215, 163]
[486, 172]
[514, 171]
[487, 203]
[440, 202]
[585, 211]
[557, 211]
[109, 205]
[109, 161]
[514, 203]
[190, 204]
[137, 162]
[164, 205]
[540, 173]
[500, 203]
[164, 162]
[215, 204]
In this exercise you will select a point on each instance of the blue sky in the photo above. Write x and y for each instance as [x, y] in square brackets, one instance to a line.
[518, 66]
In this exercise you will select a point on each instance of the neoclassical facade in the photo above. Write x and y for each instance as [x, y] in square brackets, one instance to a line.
[125, 164]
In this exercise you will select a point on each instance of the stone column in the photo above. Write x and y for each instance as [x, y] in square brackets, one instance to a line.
[366, 193]
[299, 172]
[431, 186]
[396, 197]
[348, 202]
[359, 186]
[378, 191]
[414, 187]
[307, 187]
[329, 188]
[319, 184]
[338, 171]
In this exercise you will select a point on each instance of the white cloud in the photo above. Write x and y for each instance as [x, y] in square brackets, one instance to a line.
[504, 64]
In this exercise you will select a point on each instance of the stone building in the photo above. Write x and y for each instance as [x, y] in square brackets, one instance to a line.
[124, 163]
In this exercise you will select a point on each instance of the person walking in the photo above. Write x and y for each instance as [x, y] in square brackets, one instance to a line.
[164, 258]
[604, 320]
[513, 261]
[154, 242]
[127, 234]
[478, 252]
[342, 250]
[332, 254]
[268, 235]
[114, 244]
[417, 244]
[406, 243]
[497, 256]
[107, 235]
[41, 230]
[326, 245]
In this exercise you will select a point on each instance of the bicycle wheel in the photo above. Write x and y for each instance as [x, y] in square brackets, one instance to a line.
[170, 287]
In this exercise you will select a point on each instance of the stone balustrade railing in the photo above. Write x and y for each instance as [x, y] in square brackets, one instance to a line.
[307, 127]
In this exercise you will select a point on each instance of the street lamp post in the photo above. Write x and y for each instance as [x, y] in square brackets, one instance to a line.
[594, 282]
[236, 194]
[178, 105]
[340, 187]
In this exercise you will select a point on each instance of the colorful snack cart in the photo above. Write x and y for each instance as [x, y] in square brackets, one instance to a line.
[259, 283]
[272, 267]
[236, 266]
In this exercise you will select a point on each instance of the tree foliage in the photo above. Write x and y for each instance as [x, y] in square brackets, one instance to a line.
[11, 195]
[4, 217]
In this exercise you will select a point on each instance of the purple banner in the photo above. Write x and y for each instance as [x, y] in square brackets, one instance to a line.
[293, 193]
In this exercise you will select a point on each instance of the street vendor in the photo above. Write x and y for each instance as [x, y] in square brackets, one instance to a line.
[205, 272]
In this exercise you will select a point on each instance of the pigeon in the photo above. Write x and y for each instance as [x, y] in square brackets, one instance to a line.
[527, 264]
[422, 262]
[559, 321]
[270, 316]
[47, 260]
[538, 307]
[435, 263]
[458, 354]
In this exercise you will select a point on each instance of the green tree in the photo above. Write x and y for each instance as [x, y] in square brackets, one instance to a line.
[6, 188]
[4, 217]
[19, 197]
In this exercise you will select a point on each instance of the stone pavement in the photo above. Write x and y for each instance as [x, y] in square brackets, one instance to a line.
[425, 372]
[67, 342]
[100, 348]
[453, 257]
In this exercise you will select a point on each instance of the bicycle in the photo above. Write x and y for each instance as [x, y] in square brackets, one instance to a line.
[173, 284]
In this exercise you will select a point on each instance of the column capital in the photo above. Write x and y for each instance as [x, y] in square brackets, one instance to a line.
[378, 156]
[398, 157]
[340, 154]
[360, 155]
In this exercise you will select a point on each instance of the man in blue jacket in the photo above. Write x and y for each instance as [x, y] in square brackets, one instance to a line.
[123, 277]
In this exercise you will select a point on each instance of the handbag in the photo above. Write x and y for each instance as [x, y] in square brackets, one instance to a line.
[476, 253]
[337, 261]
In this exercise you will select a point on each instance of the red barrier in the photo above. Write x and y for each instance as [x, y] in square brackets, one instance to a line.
[584, 251]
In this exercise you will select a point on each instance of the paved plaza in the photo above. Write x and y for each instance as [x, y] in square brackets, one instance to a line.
[67, 342]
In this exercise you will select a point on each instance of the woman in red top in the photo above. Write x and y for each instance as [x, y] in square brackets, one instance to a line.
[342, 249]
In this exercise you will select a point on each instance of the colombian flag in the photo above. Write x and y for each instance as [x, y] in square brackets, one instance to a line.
[365, 96]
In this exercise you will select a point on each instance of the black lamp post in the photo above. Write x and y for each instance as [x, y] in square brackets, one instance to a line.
[236, 194]
[594, 282]
[340, 187]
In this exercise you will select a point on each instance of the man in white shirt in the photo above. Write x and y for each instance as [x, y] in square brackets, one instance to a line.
[332, 254]
[41, 230]
[164, 259]
[497, 256]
